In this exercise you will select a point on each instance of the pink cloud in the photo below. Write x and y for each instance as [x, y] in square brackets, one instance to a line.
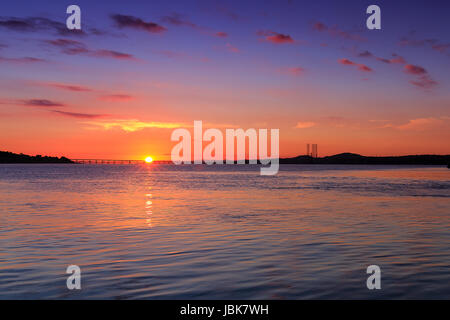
[305, 125]
[361, 67]
[113, 54]
[117, 97]
[319, 26]
[397, 59]
[274, 37]
[418, 124]
[442, 48]
[423, 80]
[412, 69]
[221, 34]
[69, 87]
[232, 48]
[293, 71]
[432, 43]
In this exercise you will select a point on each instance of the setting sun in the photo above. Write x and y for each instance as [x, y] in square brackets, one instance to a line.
[149, 160]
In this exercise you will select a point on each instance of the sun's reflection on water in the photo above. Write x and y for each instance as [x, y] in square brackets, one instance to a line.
[149, 209]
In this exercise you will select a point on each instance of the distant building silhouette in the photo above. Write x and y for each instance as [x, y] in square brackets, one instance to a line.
[312, 152]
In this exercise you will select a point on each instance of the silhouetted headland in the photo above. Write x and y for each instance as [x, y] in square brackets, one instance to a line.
[352, 158]
[9, 157]
[342, 158]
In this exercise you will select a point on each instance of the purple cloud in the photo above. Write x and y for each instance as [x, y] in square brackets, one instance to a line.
[79, 115]
[34, 24]
[72, 47]
[423, 79]
[365, 54]
[124, 21]
[113, 54]
[177, 20]
[69, 87]
[21, 60]
[41, 103]
[395, 57]
[434, 44]
[69, 46]
[335, 31]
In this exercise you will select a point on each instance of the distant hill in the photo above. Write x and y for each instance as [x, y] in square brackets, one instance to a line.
[341, 158]
[352, 158]
[9, 157]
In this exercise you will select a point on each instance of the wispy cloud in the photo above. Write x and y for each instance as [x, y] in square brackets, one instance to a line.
[68, 46]
[177, 19]
[221, 34]
[419, 124]
[293, 71]
[305, 125]
[117, 97]
[21, 60]
[68, 87]
[37, 24]
[435, 44]
[125, 21]
[73, 47]
[112, 54]
[365, 54]
[180, 55]
[232, 48]
[416, 70]
[396, 59]
[275, 37]
[423, 79]
[132, 125]
[335, 31]
[171, 54]
[41, 103]
[227, 12]
[79, 115]
[360, 66]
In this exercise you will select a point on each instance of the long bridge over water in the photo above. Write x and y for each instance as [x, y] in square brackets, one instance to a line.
[114, 161]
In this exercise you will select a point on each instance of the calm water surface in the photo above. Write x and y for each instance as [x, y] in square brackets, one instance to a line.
[197, 232]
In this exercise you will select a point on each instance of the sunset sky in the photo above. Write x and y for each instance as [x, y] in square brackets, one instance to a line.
[139, 69]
